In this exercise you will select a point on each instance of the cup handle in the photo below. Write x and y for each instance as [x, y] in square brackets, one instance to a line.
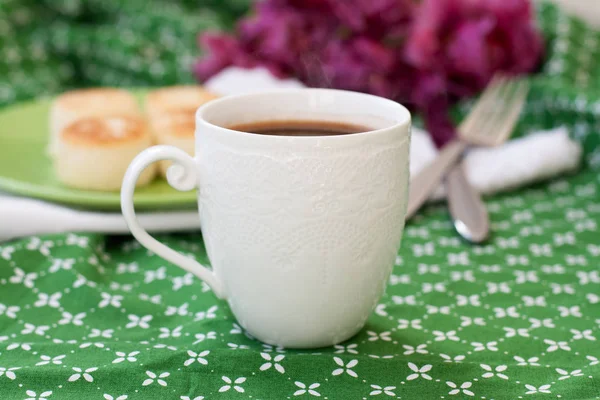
[182, 176]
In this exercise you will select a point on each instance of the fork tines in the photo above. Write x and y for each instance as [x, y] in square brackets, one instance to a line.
[496, 112]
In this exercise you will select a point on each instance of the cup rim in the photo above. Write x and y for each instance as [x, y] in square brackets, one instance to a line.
[404, 120]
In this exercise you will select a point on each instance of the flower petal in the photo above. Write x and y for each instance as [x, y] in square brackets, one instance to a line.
[265, 366]
[426, 368]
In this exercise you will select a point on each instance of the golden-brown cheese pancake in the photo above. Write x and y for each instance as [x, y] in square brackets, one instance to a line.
[96, 102]
[94, 153]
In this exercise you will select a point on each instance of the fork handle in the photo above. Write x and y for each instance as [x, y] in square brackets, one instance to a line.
[468, 212]
[426, 181]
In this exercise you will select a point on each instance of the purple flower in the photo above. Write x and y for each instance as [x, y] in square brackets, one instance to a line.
[458, 45]
[377, 18]
[424, 53]
[471, 40]
[222, 52]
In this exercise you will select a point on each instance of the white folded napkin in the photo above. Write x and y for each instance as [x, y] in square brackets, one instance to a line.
[236, 80]
[518, 163]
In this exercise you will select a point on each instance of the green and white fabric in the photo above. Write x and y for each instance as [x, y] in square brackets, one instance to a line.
[99, 317]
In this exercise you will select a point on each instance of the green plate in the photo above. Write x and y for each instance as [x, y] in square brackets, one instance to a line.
[25, 169]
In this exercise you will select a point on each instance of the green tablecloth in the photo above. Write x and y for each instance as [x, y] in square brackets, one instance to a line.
[92, 317]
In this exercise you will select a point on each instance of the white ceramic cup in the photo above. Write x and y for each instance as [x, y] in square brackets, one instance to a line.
[301, 232]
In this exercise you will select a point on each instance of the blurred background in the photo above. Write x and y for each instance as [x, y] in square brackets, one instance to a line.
[48, 46]
[424, 54]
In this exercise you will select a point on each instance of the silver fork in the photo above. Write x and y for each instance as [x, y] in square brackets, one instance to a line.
[490, 123]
